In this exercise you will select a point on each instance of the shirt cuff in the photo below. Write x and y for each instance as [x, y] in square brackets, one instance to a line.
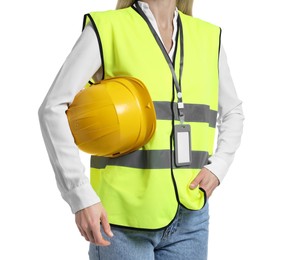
[218, 167]
[81, 197]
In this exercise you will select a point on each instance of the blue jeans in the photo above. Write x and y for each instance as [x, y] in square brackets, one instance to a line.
[185, 238]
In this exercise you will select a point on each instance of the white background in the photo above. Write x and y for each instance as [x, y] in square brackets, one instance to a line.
[246, 210]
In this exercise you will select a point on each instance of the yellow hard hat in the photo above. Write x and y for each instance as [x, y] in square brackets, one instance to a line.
[113, 117]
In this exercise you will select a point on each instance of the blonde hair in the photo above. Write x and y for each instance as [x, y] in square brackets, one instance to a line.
[184, 6]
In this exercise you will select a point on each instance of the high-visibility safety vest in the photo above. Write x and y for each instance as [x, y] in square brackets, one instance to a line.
[144, 188]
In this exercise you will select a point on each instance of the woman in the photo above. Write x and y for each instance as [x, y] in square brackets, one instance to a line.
[157, 207]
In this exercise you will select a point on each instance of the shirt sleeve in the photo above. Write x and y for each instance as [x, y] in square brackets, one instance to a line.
[80, 65]
[229, 123]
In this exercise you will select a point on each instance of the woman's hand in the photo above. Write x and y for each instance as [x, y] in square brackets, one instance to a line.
[88, 222]
[206, 180]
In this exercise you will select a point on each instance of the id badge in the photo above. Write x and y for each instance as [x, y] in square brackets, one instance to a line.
[183, 155]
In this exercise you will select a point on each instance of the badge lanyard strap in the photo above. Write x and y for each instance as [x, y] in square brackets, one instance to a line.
[170, 64]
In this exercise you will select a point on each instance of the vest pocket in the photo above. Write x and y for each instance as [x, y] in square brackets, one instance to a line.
[196, 199]
[205, 196]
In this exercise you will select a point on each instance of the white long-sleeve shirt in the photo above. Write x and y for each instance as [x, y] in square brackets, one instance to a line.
[81, 64]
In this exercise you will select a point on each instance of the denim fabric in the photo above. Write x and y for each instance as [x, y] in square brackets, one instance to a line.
[185, 238]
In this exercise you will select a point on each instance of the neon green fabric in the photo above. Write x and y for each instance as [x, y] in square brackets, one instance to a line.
[143, 189]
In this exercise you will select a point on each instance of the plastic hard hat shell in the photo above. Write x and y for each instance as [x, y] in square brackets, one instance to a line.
[112, 118]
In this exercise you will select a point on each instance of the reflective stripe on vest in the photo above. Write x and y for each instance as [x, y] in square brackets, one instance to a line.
[148, 159]
[194, 113]
[143, 189]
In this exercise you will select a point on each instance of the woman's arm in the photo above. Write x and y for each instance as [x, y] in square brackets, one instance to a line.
[230, 122]
[83, 61]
